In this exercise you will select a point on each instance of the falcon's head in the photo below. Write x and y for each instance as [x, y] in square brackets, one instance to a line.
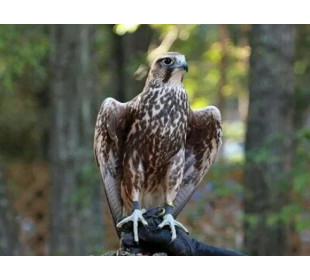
[168, 68]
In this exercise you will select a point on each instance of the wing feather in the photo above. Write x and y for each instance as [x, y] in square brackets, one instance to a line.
[112, 125]
[202, 146]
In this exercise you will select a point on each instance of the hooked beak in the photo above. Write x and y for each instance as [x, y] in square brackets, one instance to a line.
[185, 66]
[181, 63]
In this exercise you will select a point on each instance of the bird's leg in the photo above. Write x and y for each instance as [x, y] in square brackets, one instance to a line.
[133, 180]
[171, 222]
[135, 217]
[173, 181]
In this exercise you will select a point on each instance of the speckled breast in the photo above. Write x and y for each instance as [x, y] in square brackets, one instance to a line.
[162, 119]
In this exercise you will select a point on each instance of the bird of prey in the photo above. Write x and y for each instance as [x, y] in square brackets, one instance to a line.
[154, 150]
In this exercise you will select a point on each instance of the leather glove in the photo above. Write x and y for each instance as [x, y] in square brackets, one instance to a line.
[153, 240]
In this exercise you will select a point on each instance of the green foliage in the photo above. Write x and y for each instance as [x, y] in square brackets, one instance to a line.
[301, 184]
[23, 74]
[204, 54]
[23, 50]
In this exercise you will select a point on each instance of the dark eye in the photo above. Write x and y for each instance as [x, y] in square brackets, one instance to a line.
[168, 61]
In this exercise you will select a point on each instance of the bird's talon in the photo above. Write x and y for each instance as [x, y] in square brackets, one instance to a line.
[172, 223]
[135, 217]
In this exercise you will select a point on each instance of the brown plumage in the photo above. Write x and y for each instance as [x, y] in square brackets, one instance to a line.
[154, 150]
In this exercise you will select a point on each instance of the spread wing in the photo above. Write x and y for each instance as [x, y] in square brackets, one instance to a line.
[112, 125]
[202, 146]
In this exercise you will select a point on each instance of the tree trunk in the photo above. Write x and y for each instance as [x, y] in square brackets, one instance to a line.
[136, 47]
[75, 200]
[269, 138]
[127, 52]
[302, 129]
[302, 97]
[224, 40]
[117, 63]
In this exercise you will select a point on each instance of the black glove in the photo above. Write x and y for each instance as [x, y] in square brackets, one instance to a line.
[153, 240]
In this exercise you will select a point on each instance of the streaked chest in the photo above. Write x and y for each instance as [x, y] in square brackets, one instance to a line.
[161, 124]
[163, 110]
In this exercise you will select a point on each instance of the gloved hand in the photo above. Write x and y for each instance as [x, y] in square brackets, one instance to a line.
[153, 240]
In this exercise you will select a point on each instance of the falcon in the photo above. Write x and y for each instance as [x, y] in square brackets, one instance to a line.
[154, 150]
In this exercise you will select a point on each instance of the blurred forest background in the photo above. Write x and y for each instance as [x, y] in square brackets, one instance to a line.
[53, 78]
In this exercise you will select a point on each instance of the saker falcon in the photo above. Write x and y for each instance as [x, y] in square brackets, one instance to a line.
[154, 150]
